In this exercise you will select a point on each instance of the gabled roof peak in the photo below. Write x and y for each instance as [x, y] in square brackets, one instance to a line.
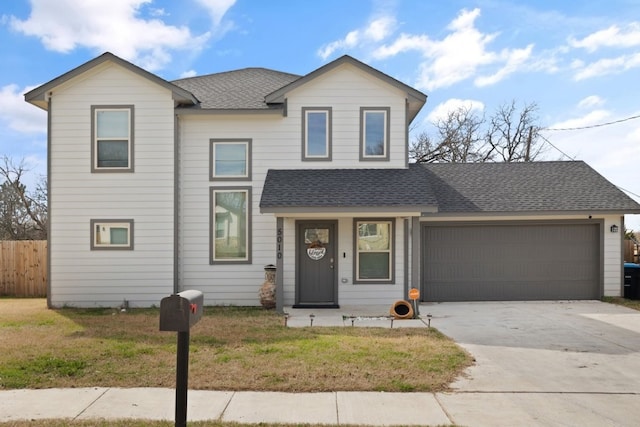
[38, 96]
[415, 98]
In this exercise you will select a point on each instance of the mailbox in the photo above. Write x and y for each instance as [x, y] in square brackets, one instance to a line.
[179, 312]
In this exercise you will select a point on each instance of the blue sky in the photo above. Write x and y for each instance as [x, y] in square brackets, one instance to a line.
[578, 61]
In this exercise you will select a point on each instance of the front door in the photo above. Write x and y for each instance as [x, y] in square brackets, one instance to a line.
[316, 277]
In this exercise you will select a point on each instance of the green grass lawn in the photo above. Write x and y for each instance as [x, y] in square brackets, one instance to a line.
[231, 349]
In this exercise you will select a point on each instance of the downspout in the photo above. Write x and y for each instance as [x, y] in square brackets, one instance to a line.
[49, 222]
[406, 133]
[416, 263]
[176, 203]
[406, 257]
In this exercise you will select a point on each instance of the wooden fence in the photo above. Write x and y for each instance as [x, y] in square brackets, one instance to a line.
[23, 268]
[631, 251]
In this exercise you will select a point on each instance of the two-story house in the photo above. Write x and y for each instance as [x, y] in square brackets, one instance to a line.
[157, 187]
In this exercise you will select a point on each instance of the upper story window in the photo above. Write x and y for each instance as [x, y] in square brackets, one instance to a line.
[374, 133]
[230, 159]
[316, 133]
[112, 133]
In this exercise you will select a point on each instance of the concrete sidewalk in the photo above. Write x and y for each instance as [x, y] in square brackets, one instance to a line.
[370, 408]
[337, 408]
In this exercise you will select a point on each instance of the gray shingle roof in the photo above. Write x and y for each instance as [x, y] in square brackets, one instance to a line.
[236, 90]
[451, 188]
[523, 187]
[346, 188]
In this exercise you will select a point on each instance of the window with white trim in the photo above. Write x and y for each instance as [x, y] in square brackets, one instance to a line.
[112, 138]
[374, 133]
[374, 251]
[112, 234]
[230, 159]
[230, 234]
[316, 133]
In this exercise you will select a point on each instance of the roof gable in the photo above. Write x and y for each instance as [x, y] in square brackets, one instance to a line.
[415, 98]
[38, 96]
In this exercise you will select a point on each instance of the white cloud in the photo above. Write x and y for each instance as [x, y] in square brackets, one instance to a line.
[114, 26]
[613, 36]
[514, 59]
[592, 118]
[19, 115]
[591, 101]
[189, 73]
[607, 66]
[459, 55]
[217, 8]
[404, 43]
[376, 31]
[442, 110]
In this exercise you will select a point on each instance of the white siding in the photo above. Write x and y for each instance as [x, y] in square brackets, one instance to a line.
[277, 144]
[235, 284]
[80, 276]
[613, 257]
[346, 89]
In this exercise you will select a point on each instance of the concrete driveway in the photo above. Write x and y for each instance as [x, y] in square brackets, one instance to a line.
[573, 363]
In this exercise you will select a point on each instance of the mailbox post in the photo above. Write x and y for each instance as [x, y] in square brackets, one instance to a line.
[178, 313]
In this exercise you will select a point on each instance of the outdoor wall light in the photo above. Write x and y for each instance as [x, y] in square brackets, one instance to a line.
[614, 228]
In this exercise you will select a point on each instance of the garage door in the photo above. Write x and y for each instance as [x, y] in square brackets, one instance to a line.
[510, 262]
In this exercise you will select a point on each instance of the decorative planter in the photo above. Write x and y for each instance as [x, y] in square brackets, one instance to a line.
[402, 310]
[268, 289]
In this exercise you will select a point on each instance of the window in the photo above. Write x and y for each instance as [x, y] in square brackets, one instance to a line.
[230, 226]
[112, 133]
[374, 133]
[374, 247]
[230, 159]
[112, 234]
[316, 133]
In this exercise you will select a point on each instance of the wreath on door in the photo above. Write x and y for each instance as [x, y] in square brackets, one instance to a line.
[316, 250]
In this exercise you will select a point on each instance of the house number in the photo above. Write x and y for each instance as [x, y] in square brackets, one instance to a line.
[279, 244]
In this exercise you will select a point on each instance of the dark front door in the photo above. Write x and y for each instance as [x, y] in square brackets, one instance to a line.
[316, 283]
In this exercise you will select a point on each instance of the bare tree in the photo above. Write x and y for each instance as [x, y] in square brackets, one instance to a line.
[460, 132]
[513, 134]
[510, 135]
[459, 139]
[23, 214]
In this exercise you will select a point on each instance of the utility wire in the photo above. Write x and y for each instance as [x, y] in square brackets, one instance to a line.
[571, 158]
[594, 126]
[628, 191]
[562, 152]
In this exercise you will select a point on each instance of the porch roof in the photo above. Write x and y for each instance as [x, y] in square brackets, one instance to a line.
[347, 190]
[477, 189]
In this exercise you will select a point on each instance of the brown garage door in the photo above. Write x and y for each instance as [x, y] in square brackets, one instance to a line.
[510, 262]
